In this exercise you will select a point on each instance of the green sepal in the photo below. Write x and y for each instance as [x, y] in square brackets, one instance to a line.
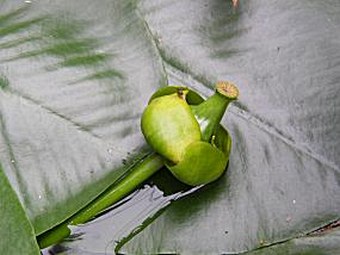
[201, 163]
[169, 125]
[222, 140]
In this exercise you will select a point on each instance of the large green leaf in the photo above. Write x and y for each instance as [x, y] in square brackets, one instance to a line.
[76, 75]
[283, 178]
[324, 243]
[17, 234]
[73, 86]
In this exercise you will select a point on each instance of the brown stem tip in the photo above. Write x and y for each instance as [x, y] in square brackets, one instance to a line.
[182, 92]
[227, 89]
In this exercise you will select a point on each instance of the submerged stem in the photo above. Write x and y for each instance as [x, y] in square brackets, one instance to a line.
[140, 174]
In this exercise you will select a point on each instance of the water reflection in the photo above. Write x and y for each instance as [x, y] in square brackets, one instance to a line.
[55, 60]
[222, 26]
[58, 36]
[9, 24]
[118, 224]
[4, 83]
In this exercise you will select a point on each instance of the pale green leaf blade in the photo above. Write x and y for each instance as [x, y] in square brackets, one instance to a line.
[73, 86]
[283, 175]
[17, 234]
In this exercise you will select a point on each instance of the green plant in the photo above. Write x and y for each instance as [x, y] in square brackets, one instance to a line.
[73, 86]
[199, 161]
[186, 135]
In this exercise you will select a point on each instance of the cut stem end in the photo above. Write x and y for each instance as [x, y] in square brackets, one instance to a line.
[227, 89]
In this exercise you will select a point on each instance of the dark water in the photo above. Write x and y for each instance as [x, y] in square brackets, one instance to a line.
[123, 220]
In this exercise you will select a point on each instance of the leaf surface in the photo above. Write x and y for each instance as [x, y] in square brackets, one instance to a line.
[73, 85]
[75, 77]
[283, 178]
[17, 234]
[322, 244]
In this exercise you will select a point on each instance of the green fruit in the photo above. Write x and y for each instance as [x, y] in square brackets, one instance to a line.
[169, 125]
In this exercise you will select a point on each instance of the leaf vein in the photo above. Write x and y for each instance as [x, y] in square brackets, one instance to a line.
[54, 112]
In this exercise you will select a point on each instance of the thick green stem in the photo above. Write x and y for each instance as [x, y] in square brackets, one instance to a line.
[210, 112]
[139, 174]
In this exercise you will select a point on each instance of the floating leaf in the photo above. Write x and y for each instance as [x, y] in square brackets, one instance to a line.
[75, 77]
[13, 222]
[63, 141]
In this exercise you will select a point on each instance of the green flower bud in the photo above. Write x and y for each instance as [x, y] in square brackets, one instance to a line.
[190, 138]
[201, 163]
[169, 125]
